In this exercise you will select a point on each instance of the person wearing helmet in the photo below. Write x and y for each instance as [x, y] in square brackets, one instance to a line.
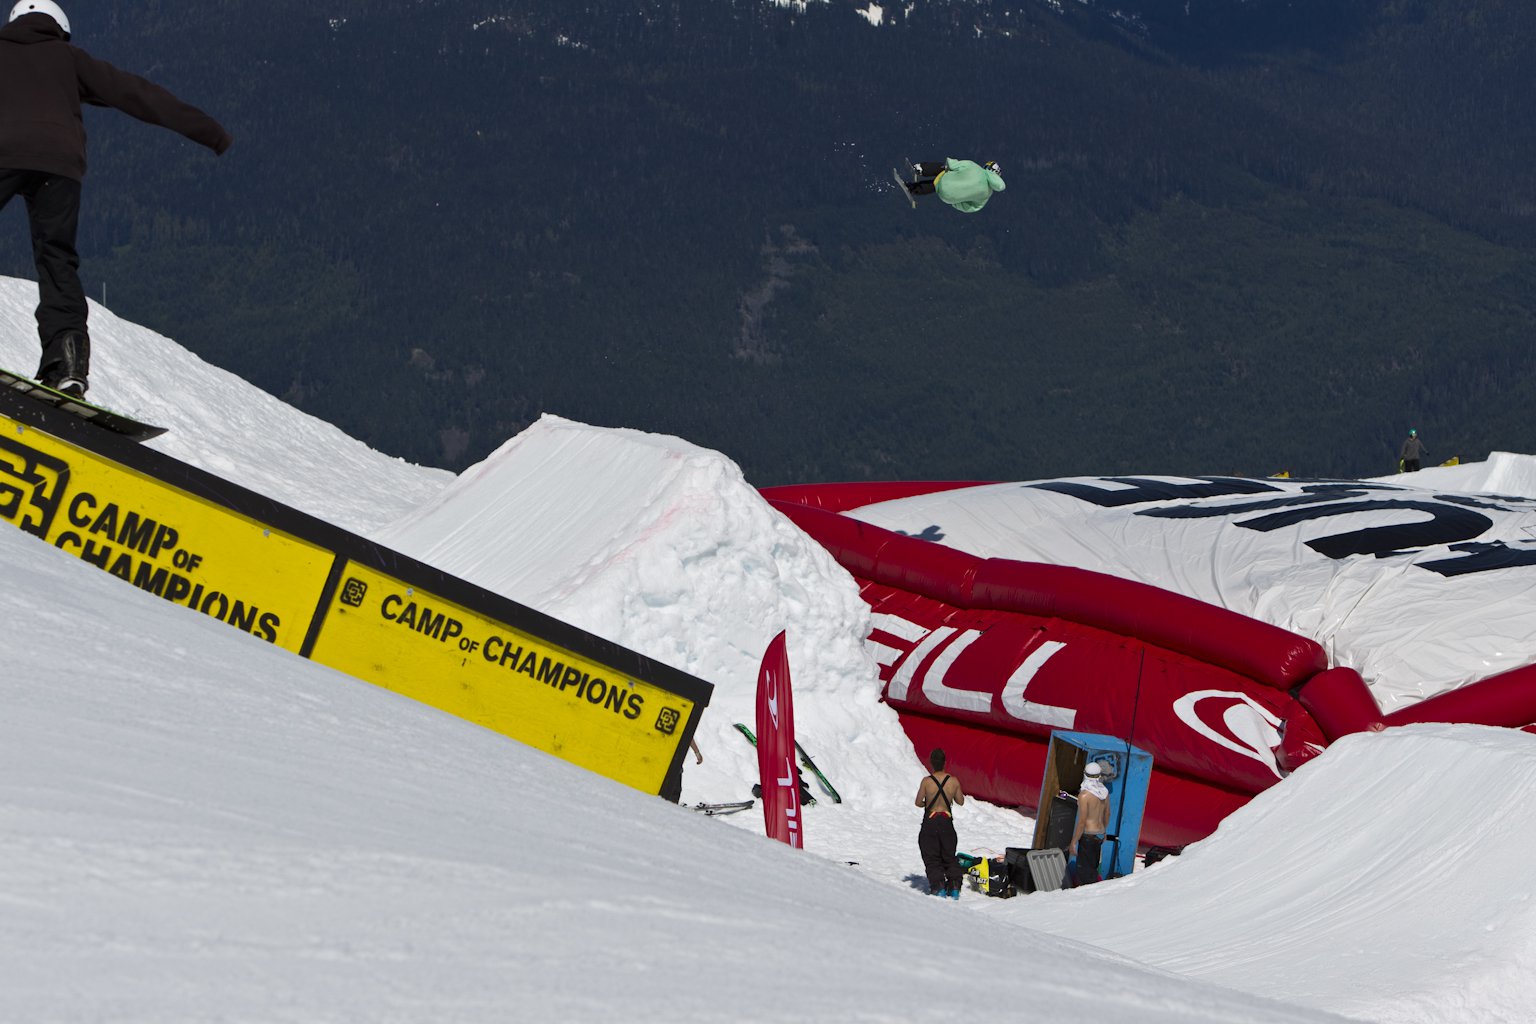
[44, 81]
[1413, 450]
[1092, 821]
[963, 184]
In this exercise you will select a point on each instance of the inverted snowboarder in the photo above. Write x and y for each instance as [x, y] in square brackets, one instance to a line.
[44, 80]
[963, 184]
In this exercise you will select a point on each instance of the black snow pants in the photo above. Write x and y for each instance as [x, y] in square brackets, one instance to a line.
[1089, 849]
[936, 841]
[53, 210]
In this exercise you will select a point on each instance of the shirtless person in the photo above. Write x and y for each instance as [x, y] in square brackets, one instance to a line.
[1092, 819]
[937, 795]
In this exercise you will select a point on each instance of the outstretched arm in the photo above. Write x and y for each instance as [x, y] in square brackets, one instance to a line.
[103, 85]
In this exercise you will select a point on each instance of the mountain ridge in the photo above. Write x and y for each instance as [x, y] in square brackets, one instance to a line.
[442, 220]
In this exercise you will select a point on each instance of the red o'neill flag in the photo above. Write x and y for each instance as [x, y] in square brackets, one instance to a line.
[776, 748]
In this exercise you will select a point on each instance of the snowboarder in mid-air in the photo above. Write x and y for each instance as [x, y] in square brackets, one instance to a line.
[963, 184]
[42, 158]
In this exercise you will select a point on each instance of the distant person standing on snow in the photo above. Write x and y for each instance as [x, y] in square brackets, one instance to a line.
[44, 80]
[938, 794]
[963, 184]
[1409, 457]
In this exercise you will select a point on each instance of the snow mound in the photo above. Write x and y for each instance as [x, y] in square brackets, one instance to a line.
[1388, 879]
[1505, 473]
[663, 547]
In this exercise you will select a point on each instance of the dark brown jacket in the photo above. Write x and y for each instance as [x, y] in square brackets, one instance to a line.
[43, 81]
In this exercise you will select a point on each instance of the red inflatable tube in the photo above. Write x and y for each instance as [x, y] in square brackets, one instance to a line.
[1340, 703]
[1265, 653]
[1268, 654]
[1302, 741]
[985, 657]
[1507, 699]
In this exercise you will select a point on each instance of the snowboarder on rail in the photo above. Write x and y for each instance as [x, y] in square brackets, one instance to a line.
[42, 158]
[963, 184]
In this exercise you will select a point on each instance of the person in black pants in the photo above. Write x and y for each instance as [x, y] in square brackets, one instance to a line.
[938, 795]
[1092, 822]
[44, 81]
[1412, 451]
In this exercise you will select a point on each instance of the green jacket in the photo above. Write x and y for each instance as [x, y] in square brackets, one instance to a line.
[967, 185]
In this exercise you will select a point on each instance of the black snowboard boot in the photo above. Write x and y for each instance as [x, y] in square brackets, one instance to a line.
[66, 363]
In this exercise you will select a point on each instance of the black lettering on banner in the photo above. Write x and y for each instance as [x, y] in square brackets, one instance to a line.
[1482, 557]
[137, 533]
[213, 600]
[1495, 503]
[439, 626]
[174, 587]
[556, 674]
[615, 699]
[122, 567]
[1312, 495]
[152, 578]
[80, 507]
[1135, 490]
[242, 617]
[1447, 524]
[1451, 518]
[32, 486]
[132, 531]
[95, 555]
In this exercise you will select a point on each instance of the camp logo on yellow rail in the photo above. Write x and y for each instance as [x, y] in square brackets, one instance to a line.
[190, 551]
[470, 665]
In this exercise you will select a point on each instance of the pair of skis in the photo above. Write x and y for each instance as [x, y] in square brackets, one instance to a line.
[731, 808]
[805, 762]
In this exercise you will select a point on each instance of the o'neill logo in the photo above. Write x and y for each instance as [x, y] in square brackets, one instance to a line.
[1248, 728]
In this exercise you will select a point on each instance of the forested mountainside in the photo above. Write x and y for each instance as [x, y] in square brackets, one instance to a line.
[1237, 236]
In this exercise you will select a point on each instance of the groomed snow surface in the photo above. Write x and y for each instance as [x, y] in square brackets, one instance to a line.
[195, 825]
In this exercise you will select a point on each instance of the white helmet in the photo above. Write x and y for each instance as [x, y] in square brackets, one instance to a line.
[47, 7]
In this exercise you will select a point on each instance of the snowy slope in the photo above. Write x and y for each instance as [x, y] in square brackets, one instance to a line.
[1389, 881]
[196, 826]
